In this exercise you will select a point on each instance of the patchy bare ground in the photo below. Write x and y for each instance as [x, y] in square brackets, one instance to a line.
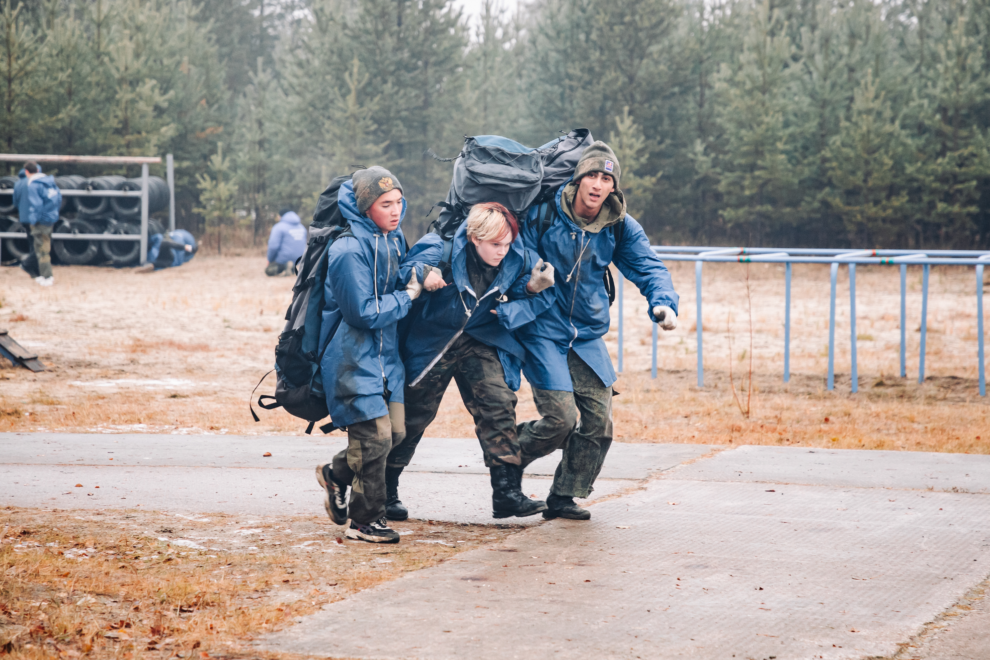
[143, 585]
[180, 350]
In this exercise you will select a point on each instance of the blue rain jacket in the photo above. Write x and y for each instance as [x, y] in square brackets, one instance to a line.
[444, 314]
[179, 255]
[287, 242]
[38, 200]
[580, 317]
[358, 334]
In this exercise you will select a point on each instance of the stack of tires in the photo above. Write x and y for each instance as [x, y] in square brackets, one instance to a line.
[91, 214]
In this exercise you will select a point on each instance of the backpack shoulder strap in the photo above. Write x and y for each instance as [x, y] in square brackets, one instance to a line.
[444, 265]
[545, 217]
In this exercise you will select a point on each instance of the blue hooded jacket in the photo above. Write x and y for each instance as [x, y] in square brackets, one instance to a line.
[179, 256]
[287, 242]
[358, 334]
[444, 314]
[38, 200]
[580, 316]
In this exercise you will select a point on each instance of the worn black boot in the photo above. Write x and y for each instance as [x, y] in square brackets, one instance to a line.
[564, 507]
[394, 508]
[507, 496]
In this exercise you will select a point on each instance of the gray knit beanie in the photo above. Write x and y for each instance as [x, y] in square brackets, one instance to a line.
[372, 183]
[598, 158]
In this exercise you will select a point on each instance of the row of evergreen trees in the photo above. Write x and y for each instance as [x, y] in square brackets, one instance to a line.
[788, 122]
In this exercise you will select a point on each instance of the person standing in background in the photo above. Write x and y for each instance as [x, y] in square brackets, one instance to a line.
[38, 200]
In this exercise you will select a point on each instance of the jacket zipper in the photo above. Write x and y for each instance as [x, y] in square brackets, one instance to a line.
[467, 317]
[577, 279]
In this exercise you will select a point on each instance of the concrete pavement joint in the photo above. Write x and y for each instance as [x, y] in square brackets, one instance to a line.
[910, 650]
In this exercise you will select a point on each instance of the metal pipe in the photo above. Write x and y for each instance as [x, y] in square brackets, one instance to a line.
[903, 320]
[621, 299]
[979, 329]
[700, 325]
[653, 370]
[170, 177]
[144, 214]
[787, 322]
[102, 160]
[813, 251]
[76, 237]
[852, 327]
[924, 323]
[831, 329]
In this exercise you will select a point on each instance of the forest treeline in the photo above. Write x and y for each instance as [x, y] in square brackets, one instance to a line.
[759, 122]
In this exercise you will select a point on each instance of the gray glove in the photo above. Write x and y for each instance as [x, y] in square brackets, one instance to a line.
[665, 317]
[540, 278]
[414, 288]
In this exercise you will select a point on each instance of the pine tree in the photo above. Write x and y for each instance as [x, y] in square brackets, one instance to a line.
[633, 152]
[258, 159]
[953, 150]
[492, 91]
[217, 194]
[758, 181]
[865, 165]
[19, 60]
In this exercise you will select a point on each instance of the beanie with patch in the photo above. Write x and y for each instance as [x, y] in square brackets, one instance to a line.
[372, 183]
[599, 157]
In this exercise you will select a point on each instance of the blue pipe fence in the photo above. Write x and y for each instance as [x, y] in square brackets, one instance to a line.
[903, 258]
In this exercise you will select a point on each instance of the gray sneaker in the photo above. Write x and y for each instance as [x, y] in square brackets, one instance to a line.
[334, 496]
[374, 532]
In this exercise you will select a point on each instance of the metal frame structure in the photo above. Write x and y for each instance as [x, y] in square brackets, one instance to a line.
[143, 161]
[835, 258]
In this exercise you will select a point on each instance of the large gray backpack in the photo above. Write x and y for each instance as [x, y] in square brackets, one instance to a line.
[492, 168]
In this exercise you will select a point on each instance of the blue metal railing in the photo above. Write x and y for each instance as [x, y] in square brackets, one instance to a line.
[903, 258]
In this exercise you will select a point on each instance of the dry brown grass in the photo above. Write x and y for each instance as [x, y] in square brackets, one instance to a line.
[180, 350]
[128, 585]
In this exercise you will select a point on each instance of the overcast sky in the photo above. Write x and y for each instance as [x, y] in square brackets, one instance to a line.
[473, 7]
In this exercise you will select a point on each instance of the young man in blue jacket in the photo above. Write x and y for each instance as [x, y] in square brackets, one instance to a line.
[462, 331]
[583, 230]
[38, 200]
[286, 244]
[362, 371]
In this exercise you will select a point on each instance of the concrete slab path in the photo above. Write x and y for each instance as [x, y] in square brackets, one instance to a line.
[749, 552]
[698, 565]
[231, 474]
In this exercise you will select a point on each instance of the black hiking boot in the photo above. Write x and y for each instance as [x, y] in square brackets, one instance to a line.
[376, 531]
[559, 506]
[507, 497]
[335, 495]
[394, 508]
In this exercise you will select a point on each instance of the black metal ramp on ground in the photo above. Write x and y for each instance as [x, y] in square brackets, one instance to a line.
[17, 354]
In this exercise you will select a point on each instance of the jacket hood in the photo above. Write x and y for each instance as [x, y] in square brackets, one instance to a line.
[613, 209]
[459, 263]
[347, 203]
[290, 217]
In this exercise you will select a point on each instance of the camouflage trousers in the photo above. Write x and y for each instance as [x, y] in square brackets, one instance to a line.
[42, 235]
[362, 464]
[275, 268]
[585, 441]
[476, 369]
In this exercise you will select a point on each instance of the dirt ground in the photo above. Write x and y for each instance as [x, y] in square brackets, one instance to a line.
[137, 584]
[179, 351]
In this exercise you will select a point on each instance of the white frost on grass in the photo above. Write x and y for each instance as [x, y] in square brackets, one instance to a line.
[184, 543]
[164, 383]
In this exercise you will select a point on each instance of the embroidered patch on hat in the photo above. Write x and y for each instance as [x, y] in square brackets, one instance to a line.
[386, 183]
[609, 165]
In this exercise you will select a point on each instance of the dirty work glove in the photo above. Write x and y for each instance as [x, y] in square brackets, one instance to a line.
[432, 279]
[665, 317]
[540, 278]
[414, 288]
